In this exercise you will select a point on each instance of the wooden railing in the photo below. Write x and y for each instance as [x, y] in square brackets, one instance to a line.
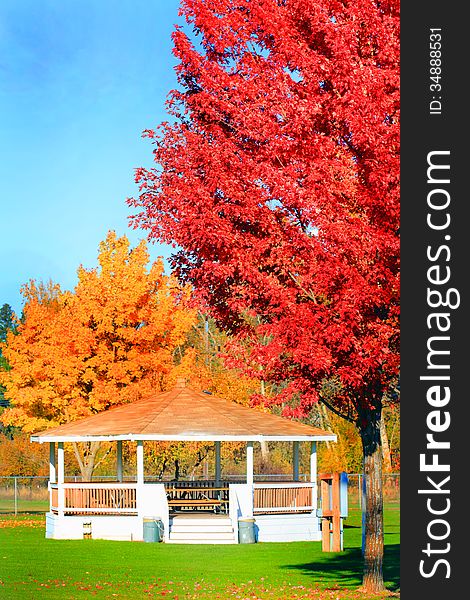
[54, 497]
[283, 498]
[95, 498]
[121, 498]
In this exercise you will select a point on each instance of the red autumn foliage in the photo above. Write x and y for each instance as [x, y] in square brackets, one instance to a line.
[278, 180]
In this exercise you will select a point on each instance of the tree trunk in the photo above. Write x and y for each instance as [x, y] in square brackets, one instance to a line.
[391, 440]
[162, 470]
[87, 458]
[324, 419]
[264, 451]
[374, 531]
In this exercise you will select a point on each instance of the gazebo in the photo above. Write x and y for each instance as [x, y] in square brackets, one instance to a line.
[206, 511]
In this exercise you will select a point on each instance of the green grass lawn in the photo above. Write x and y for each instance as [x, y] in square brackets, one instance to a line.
[35, 568]
[29, 506]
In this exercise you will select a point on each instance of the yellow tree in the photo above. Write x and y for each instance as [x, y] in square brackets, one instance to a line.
[19, 457]
[109, 342]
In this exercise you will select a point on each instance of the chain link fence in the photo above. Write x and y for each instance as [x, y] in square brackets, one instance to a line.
[391, 489]
[30, 494]
[24, 494]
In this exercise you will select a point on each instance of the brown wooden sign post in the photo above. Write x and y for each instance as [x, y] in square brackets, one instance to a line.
[332, 511]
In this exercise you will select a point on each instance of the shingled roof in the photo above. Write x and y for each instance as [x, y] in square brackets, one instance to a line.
[187, 415]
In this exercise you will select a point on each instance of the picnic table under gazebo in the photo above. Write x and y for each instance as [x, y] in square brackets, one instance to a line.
[204, 511]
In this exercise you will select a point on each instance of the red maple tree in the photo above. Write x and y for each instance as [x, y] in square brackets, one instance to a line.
[278, 179]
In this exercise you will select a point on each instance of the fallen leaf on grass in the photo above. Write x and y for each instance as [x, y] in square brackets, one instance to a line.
[11, 523]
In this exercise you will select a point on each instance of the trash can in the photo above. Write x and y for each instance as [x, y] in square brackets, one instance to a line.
[246, 531]
[153, 529]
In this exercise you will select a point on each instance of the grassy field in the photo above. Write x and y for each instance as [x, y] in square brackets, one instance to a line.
[35, 568]
[8, 506]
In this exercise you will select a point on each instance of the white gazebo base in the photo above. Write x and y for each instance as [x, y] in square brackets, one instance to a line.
[288, 528]
[102, 527]
[283, 511]
[185, 529]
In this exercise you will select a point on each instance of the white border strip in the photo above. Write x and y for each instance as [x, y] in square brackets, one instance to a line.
[132, 437]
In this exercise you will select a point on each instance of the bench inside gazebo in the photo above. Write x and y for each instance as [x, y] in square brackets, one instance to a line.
[207, 511]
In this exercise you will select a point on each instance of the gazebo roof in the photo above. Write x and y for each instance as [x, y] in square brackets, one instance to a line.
[183, 414]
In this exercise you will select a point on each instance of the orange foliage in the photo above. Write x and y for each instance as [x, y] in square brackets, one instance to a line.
[19, 457]
[346, 453]
[212, 377]
[108, 342]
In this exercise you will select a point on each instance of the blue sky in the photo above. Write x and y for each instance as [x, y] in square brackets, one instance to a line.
[79, 81]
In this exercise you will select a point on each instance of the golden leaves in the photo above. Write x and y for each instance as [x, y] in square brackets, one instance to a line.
[108, 342]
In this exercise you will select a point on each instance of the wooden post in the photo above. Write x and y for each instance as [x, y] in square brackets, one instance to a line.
[325, 535]
[325, 522]
[60, 479]
[119, 461]
[331, 512]
[52, 463]
[295, 452]
[217, 464]
[336, 518]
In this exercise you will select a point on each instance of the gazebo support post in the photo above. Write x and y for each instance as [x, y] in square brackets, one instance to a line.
[140, 462]
[249, 463]
[140, 476]
[295, 452]
[217, 464]
[60, 479]
[313, 474]
[52, 463]
[119, 461]
[249, 473]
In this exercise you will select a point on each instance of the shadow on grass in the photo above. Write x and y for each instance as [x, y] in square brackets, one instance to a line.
[345, 568]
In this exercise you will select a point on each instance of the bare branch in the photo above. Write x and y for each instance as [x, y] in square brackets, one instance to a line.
[309, 295]
[346, 417]
[103, 457]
